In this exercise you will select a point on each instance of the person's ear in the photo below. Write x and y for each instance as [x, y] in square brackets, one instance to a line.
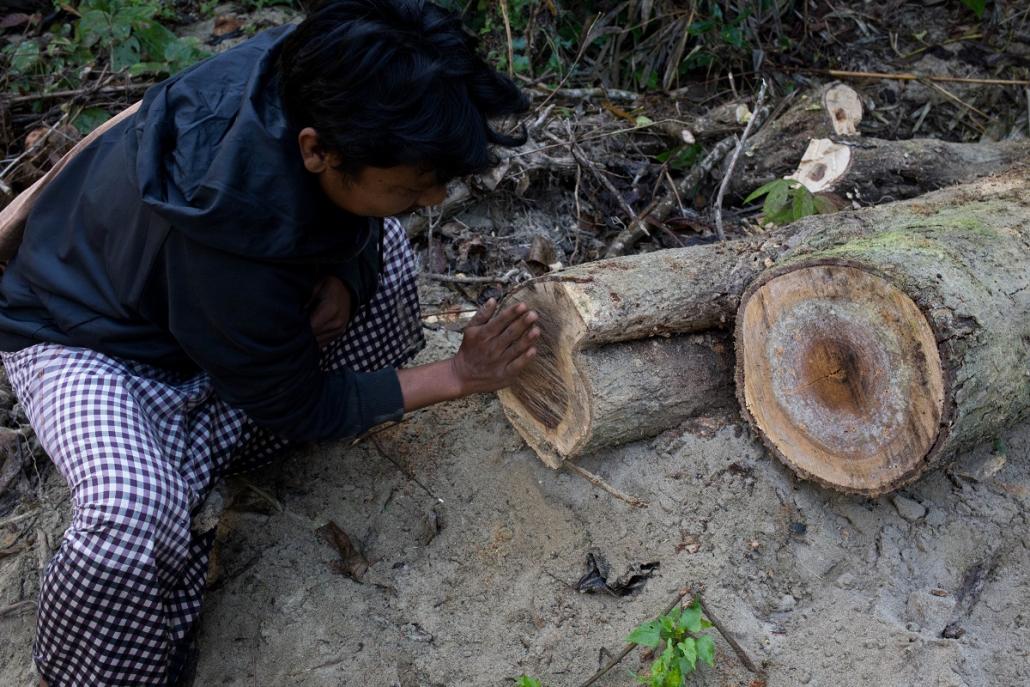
[316, 158]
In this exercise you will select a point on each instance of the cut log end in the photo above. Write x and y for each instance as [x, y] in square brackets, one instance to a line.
[839, 371]
[546, 401]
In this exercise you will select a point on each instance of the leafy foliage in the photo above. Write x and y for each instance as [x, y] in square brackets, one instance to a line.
[787, 200]
[526, 681]
[625, 45]
[123, 36]
[680, 631]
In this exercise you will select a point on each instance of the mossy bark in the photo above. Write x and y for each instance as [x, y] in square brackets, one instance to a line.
[961, 256]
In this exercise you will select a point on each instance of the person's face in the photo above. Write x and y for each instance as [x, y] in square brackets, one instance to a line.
[375, 191]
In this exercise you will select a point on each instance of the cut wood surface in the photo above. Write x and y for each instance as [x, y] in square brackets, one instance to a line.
[581, 381]
[816, 140]
[889, 339]
[774, 151]
[975, 316]
[869, 170]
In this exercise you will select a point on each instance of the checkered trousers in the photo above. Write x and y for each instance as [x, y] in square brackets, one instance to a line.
[140, 448]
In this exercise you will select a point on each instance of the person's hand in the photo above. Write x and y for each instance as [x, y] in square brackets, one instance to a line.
[330, 309]
[494, 351]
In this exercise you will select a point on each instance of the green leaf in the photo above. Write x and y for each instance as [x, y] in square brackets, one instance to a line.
[142, 68]
[90, 119]
[763, 190]
[94, 26]
[24, 57]
[803, 204]
[978, 7]
[154, 39]
[526, 681]
[691, 618]
[121, 26]
[125, 54]
[706, 649]
[776, 203]
[688, 651]
[706, 623]
[646, 634]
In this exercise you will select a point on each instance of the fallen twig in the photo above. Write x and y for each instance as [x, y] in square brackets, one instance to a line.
[462, 279]
[909, 76]
[16, 608]
[737, 648]
[600, 483]
[728, 174]
[19, 518]
[635, 225]
[106, 90]
[609, 93]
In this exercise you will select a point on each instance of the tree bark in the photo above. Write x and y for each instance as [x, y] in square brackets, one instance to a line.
[887, 340]
[974, 236]
[620, 392]
[870, 171]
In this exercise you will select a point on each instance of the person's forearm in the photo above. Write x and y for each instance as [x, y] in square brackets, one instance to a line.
[428, 384]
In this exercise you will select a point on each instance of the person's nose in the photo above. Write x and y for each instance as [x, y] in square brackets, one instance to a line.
[433, 196]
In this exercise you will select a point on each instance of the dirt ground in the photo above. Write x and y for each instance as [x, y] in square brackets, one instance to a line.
[475, 547]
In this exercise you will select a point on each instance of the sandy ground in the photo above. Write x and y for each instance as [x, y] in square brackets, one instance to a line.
[475, 545]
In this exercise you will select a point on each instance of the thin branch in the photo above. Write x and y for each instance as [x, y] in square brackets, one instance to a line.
[507, 33]
[728, 174]
[56, 95]
[601, 484]
[462, 279]
[909, 76]
[19, 518]
[16, 608]
[737, 648]
[635, 224]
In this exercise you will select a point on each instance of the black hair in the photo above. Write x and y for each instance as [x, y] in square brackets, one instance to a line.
[395, 82]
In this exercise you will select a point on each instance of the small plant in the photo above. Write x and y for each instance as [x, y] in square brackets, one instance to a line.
[126, 36]
[787, 200]
[526, 681]
[680, 630]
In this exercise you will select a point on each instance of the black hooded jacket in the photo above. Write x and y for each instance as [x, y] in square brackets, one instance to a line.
[191, 236]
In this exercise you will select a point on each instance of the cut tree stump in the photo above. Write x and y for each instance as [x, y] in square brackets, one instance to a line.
[889, 339]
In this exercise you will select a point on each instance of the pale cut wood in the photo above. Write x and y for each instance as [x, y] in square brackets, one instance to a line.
[841, 373]
[871, 170]
[951, 264]
[13, 217]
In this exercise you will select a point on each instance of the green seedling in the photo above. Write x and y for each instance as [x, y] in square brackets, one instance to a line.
[787, 200]
[680, 631]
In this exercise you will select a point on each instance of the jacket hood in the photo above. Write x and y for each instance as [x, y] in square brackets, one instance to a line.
[216, 157]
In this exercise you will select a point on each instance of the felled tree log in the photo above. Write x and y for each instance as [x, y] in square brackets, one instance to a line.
[816, 141]
[629, 346]
[887, 340]
[870, 170]
[558, 404]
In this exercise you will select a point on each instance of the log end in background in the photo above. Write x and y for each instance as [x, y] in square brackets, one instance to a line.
[840, 372]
